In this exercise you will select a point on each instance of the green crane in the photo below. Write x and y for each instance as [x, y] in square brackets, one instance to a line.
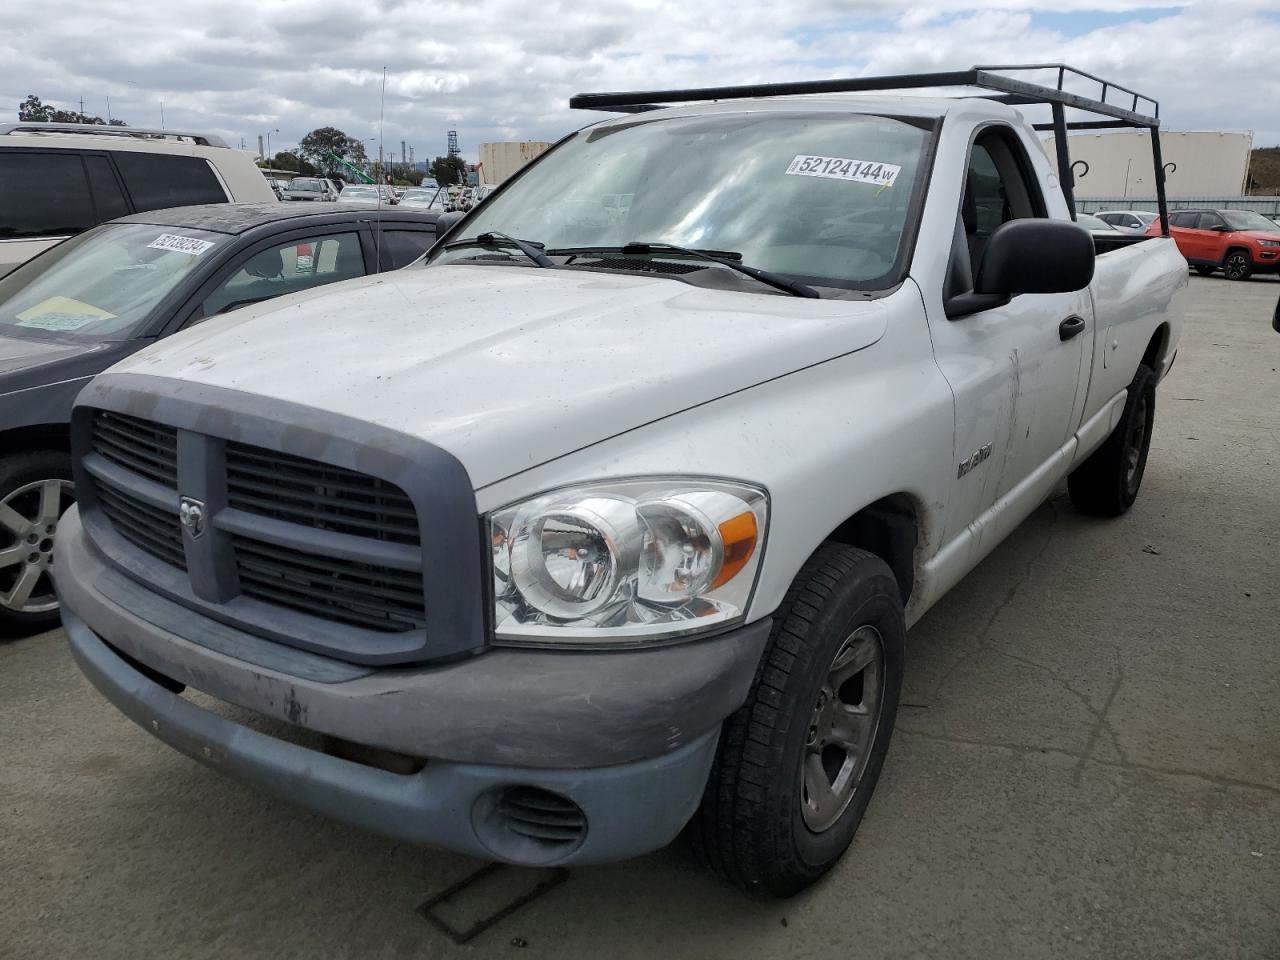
[349, 167]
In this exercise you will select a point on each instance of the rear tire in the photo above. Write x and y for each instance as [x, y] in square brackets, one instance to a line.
[1107, 483]
[798, 762]
[1237, 266]
[35, 488]
[1204, 269]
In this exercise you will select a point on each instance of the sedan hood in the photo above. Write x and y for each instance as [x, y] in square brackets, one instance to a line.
[509, 367]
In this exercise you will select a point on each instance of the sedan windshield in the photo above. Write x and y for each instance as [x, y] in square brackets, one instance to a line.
[101, 285]
[1248, 220]
[822, 197]
[360, 192]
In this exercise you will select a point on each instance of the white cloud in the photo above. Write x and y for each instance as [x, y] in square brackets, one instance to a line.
[503, 69]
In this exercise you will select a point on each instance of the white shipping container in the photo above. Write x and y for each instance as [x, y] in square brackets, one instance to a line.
[1212, 164]
[498, 161]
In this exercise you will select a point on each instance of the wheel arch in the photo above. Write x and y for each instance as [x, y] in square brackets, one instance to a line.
[36, 436]
[1236, 248]
[889, 527]
[1157, 346]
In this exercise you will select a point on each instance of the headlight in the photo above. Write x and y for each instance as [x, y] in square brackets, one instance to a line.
[625, 562]
[1269, 243]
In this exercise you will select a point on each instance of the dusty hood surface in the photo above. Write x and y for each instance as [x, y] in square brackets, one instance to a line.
[509, 367]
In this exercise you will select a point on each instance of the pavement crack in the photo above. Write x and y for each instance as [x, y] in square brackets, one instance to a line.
[984, 635]
[1084, 758]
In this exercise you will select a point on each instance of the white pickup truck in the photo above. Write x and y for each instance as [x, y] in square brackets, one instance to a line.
[610, 518]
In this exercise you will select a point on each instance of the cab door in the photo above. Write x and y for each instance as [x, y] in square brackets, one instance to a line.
[1018, 371]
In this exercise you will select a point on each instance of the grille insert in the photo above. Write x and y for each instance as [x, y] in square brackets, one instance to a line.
[148, 528]
[146, 448]
[313, 494]
[361, 594]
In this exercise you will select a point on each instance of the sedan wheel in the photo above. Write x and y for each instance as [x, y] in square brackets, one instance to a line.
[28, 526]
[1237, 266]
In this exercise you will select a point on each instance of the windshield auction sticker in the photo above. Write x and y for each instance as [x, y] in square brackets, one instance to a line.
[188, 245]
[838, 168]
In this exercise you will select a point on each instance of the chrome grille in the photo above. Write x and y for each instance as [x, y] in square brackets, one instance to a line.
[318, 495]
[146, 448]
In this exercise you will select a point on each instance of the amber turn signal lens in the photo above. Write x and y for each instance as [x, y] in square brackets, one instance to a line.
[739, 535]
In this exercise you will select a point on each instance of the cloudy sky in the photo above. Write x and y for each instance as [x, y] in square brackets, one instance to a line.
[504, 69]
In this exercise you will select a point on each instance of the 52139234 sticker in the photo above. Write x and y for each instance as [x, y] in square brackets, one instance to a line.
[841, 168]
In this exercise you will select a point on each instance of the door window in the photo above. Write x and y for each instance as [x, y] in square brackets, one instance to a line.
[1184, 219]
[1209, 221]
[398, 248]
[159, 180]
[287, 268]
[43, 195]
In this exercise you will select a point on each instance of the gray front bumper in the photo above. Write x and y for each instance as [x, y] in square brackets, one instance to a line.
[628, 737]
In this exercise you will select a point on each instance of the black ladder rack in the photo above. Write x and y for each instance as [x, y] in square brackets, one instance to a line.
[1138, 110]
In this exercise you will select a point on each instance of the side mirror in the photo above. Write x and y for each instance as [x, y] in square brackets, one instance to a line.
[1036, 256]
[1221, 228]
[1028, 256]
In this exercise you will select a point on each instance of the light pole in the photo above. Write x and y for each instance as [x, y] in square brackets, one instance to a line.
[269, 132]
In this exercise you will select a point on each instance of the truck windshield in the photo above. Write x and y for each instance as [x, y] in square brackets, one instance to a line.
[821, 197]
[101, 285]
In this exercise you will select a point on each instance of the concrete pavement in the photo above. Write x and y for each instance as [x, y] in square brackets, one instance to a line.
[1087, 764]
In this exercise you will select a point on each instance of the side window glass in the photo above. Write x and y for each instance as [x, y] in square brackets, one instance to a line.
[108, 200]
[43, 195]
[1184, 220]
[287, 268]
[1210, 220]
[399, 248]
[986, 200]
[158, 180]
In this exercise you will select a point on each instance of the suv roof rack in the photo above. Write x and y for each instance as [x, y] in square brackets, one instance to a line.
[111, 130]
[1138, 110]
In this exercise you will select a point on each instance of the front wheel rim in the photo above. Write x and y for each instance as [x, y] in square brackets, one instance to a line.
[28, 528]
[842, 729]
[1235, 267]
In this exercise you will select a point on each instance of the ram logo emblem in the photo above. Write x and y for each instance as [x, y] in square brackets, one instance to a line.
[191, 516]
[976, 458]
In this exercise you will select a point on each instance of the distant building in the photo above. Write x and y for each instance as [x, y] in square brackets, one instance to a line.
[498, 161]
[1204, 164]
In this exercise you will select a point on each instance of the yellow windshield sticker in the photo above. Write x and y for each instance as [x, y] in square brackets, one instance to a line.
[61, 313]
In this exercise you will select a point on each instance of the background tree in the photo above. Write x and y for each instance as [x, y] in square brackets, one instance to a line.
[288, 160]
[33, 110]
[449, 170]
[325, 140]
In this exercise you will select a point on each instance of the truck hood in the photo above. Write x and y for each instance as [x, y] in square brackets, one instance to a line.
[509, 367]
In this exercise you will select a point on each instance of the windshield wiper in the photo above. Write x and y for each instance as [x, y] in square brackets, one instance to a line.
[492, 238]
[724, 258]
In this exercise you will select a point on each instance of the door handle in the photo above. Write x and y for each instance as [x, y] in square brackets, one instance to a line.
[1071, 327]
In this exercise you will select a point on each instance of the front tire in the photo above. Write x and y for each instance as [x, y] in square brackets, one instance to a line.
[798, 762]
[1237, 265]
[1107, 483]
[35, 489]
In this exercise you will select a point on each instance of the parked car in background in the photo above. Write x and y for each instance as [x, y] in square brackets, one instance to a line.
[1128, 221]
[369, 195]
[1096, 225]
[434, 198]
[78, 308]
[310, 188]
[277, 186]
[59, 179]
[1240, 243]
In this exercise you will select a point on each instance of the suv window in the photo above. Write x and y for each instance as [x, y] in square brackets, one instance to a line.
[1210, 220]
[108, 199]
[43, 195]
[158, 180]
[287, 268]
[1185, 219]
[398, 248]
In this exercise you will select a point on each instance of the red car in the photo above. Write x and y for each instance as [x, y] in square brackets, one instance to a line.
[1237, 242]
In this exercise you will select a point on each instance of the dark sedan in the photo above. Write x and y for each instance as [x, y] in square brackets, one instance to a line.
[79, 307]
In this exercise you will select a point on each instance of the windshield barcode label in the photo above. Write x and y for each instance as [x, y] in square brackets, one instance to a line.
[188, 245]
[839, 168]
